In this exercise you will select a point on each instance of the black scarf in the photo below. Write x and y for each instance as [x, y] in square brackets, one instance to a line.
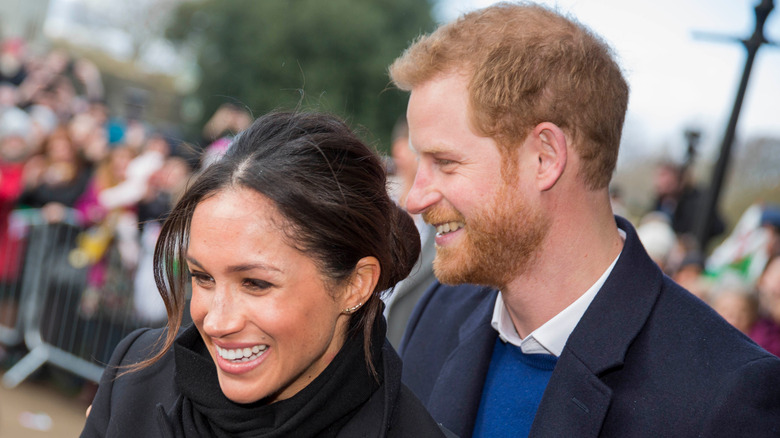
[319, 410]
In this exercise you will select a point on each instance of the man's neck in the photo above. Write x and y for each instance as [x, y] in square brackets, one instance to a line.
[572, 258]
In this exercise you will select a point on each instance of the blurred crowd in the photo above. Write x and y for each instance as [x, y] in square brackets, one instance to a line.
[740, 277]
[66, 157]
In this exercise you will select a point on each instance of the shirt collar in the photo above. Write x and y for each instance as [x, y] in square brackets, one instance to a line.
[550, 337]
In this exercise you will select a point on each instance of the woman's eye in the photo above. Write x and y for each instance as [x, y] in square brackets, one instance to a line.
[257, 284]
[201, 279]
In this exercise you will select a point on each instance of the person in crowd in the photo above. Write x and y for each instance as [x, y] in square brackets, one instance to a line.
[690, 275]
[61, 82]
[164, 189]
[56, 178]
[766, 331]
[90, 136]
[678, 198]
[109, 174]
[14, 149]
[289, 239]
[135, 185]
[770, 222]
[12, 61]
[105, 225]
[228, 120]
[746, 250]
[656, 235]
[569, 328]
[737, 306]
[407, 293]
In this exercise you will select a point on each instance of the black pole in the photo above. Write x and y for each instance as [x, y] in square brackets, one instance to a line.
[711, 200]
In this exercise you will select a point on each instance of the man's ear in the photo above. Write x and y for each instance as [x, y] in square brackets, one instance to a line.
[551, 149]
[362, 284]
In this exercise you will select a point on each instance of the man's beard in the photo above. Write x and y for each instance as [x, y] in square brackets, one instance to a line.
[498, 244]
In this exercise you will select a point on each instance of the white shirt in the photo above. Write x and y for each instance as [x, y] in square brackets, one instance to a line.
[550, 337]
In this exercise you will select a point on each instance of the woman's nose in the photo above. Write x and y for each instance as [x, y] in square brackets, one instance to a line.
[224, 315]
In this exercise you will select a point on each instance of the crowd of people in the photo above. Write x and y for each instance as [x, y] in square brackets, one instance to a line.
[738, 278]
[66, 158]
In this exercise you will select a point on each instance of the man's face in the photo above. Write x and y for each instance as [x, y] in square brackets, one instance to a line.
[487, 232]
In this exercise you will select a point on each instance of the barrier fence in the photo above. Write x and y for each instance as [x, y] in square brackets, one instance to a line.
[67, 293]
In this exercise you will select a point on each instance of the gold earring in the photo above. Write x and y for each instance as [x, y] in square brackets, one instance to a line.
[352, 309]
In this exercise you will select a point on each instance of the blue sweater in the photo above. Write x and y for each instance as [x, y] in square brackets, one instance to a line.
[513, 389]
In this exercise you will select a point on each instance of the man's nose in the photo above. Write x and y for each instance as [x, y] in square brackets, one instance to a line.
[423, 193]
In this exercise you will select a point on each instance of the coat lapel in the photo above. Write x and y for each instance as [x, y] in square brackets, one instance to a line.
[576, 401]
[455, 397]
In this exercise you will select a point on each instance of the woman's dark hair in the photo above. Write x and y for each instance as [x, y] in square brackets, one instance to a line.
[331, 190]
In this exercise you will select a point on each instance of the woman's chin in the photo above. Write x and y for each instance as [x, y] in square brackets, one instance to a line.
[241, 396]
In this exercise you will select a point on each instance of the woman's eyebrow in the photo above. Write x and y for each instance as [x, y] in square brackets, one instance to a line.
[250, 266]
[239, 268]
[193, 261]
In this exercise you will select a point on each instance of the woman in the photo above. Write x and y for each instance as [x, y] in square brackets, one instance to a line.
[288, 240]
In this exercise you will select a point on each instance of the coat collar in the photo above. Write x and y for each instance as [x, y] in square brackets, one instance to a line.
[576, 400]
[455, 398]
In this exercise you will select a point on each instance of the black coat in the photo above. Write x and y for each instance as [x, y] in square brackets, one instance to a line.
[129, 406]
[647, 359]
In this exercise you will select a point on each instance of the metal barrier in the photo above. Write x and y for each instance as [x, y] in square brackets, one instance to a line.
[67, 318]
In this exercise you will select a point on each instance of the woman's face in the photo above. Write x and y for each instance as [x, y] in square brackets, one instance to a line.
[60, 149]
[261, 306]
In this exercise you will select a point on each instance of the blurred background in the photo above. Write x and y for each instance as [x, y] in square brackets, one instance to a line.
[172, 63]
[108, 108]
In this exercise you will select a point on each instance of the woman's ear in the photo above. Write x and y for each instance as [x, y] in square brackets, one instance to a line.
[552, 150]
[362, 284]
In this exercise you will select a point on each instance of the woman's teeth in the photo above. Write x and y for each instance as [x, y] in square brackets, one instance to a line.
[449, 227]
[242, 354]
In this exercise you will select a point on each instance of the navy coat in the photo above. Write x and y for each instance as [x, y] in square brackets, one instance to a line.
[647, 359]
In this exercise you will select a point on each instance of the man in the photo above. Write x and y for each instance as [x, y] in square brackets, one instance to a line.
[516, 114]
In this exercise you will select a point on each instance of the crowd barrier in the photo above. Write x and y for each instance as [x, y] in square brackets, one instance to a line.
[70, 301]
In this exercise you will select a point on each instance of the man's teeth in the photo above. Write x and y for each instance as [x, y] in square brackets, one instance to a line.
[242, 354]
[449, 227]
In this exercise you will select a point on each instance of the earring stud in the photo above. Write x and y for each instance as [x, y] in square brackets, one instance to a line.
[353, 308]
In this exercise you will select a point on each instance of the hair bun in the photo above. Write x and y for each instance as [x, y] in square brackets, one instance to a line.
[404, 244]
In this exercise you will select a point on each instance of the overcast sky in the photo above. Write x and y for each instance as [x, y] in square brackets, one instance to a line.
[678, 81]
